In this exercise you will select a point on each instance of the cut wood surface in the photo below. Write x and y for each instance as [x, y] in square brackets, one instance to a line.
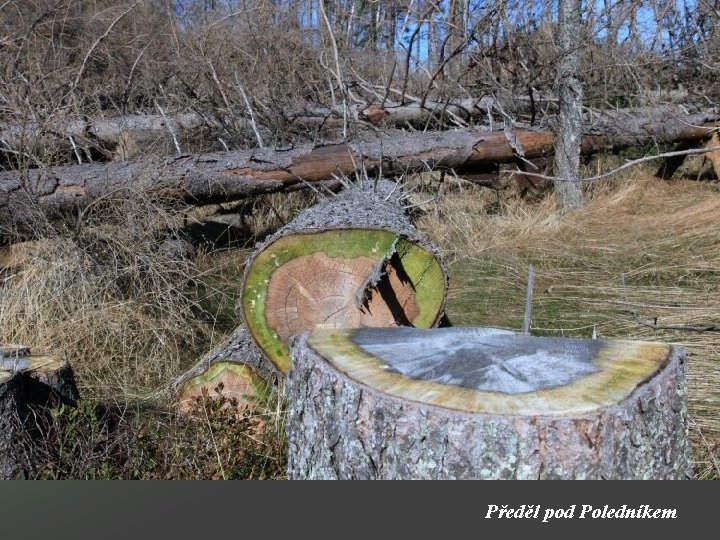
[46, 377]
[352, 260]
[236, 369]
[227, 176]
[484, 403]
[27, 381]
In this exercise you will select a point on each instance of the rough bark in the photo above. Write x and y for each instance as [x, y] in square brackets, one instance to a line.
[13, 409]
[27, 382]
[219, 177]
[351, 260]
[247, 385]
[361, 416]
[567, 145]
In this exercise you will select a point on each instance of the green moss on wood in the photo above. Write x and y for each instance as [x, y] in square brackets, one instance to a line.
[421, 266]
[214, 372]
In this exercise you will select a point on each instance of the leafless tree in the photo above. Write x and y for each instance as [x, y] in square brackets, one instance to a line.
[567, 144]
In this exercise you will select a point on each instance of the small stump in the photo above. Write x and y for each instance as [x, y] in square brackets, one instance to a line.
[28, 381]
[483, 403]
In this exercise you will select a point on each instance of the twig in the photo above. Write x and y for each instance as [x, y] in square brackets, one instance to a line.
[627, 165]
[423, 203]
[75, 149]
[337, 73]
[689, 327]
[261, 144]
[528, 300]
[169, 128]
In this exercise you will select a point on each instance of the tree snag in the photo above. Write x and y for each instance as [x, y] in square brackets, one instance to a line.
[567, 144]
[25, 382]
[483, 403]
[352, 260]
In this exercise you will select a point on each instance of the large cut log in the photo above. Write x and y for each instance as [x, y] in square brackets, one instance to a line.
[352, 260]
[47, 378]
[236, 369]
[27, 382]
[484, 403]
[227, 176]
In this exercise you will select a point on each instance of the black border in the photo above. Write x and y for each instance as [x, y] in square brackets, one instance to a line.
[171, 509]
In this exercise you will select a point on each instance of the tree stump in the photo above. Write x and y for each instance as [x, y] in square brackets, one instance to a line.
[25, 382]
[352, 260]
[482, 403]
[237, 369]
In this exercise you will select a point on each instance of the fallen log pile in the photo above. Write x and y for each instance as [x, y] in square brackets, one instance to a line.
[208, 178]
[113, 135]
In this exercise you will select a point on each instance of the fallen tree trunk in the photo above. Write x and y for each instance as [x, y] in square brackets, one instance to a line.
[219, 177]
[352, 260]
[27, 382]
[481, 403]
[124, 136]
[110, 134]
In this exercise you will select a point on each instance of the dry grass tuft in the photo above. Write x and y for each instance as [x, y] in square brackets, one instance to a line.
[123, 293]
[112, 295]
[642, 252]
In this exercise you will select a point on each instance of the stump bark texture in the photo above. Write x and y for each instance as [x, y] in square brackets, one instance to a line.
[478, 403]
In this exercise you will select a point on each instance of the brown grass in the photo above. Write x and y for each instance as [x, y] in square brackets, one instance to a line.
[124, 296]
[112, 296]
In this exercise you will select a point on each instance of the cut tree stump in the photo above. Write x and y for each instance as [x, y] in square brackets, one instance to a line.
[483, 403]
[352, 260]
[237, 369]
[28, 381]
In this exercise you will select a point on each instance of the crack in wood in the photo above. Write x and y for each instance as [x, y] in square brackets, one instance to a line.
[371, 281]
